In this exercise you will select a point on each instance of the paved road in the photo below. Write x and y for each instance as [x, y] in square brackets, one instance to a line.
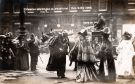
[48, 78]
[41, 76]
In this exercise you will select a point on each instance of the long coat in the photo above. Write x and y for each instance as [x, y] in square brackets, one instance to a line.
[22, 59]
[58, 51]
[107, 66]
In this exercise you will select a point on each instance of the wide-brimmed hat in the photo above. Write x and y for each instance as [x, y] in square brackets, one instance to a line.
[127, 35]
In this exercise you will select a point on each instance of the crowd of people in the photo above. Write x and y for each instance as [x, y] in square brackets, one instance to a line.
[87, 59]
[92, 64]
[14, 52]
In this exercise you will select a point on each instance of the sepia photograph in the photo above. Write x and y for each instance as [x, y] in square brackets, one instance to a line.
[67, 41]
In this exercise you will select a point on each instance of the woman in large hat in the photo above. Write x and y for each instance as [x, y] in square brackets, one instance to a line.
[85, 59]
[125, 52]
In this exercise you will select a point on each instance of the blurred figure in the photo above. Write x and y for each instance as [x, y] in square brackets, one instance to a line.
[126, 53]
[65, 42]
[22, 59]
[7, 53]
[58, 51]
[73, 55]
[34, 51]
[101, 23]
[107, 72]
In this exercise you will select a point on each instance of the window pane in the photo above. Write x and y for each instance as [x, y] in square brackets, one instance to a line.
[103, 5]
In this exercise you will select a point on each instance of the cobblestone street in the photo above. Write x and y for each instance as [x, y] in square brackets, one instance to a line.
[41, 76]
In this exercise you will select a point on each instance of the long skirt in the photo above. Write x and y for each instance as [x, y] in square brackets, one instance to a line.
[34, 60]
[107, 70]
[22, 61]
[56, 61]
[125, 65]
[86, 72]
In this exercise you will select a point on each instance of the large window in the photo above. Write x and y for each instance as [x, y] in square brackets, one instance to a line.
[86, 3]
[103, 5]
[73, 4]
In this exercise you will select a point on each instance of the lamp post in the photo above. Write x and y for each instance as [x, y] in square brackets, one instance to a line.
[22, 18]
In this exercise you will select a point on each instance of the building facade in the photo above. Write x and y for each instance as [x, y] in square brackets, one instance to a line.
[43, 15]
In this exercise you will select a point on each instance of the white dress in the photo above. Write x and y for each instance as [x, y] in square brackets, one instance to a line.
[124, 63]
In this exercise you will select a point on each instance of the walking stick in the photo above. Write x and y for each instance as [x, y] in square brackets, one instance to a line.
[41, 59]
